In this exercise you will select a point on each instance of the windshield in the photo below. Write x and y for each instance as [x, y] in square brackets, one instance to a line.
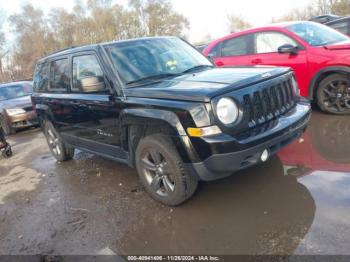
[316, 34]
[147, 58]
[14, 91]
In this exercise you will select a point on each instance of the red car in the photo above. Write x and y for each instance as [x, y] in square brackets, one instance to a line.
[319, 55]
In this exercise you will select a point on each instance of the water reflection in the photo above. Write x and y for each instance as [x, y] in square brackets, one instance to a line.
[257, 211]
[324, 146]
[321, 162]
[330, 230]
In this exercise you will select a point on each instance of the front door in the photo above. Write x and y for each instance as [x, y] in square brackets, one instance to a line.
[95, 109]
[266, 46]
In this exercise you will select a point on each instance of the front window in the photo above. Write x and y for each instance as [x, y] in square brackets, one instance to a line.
[316, 34]
[60, 78]
[269, 42]
[15, 91]
[147, 58]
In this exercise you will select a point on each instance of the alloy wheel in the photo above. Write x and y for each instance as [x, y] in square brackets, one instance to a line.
[336, 96]
[158, 172]
[53, 142]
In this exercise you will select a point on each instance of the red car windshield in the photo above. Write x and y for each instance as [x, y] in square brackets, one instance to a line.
[14, 91]
[316, 34]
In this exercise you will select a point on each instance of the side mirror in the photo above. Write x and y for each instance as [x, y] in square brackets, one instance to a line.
[211, 57]
[92, 84]
[288, 49]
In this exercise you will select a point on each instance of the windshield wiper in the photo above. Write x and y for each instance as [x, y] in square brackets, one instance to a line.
[196, 68]
[152, 77]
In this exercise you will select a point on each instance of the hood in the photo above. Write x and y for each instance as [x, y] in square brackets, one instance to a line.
[338, 46]
[18, 102]
[204, 85]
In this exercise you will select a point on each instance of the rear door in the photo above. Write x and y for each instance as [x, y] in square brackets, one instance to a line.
[236, 51]
[57, 90]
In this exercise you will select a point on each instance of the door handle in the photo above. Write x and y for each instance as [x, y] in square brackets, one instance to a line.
[256, 61]
[219, 63]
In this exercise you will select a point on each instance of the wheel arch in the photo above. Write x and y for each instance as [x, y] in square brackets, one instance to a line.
[139, 123]
[322, 74]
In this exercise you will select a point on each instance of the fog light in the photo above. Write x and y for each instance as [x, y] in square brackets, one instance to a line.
[264, 156]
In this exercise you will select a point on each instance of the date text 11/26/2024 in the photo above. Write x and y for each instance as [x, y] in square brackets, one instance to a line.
[173, 258]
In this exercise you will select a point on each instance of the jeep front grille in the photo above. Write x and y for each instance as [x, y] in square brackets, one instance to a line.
[268, 103]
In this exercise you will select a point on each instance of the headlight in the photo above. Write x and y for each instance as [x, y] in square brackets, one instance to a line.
[14, 111]
[295, 87]
[227, 111]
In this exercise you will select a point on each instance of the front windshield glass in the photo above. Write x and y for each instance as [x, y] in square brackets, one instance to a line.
[14, 91]
[147, 58]
[316, 34]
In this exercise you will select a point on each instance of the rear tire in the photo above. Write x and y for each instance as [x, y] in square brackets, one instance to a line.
[333, 94]
[162, 171]
[60, 150]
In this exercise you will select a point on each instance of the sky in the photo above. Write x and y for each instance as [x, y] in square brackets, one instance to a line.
[206, 17]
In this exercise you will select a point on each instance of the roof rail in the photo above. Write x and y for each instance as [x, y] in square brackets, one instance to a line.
[63, 49]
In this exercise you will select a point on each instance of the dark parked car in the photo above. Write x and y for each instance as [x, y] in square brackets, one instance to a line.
[323, 19]
[16, 110]
[158, 105]
[341, 24]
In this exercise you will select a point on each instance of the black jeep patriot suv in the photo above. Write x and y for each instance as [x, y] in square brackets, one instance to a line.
[158, 105]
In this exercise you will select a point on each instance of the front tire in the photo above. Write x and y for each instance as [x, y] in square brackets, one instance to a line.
[8, 130]
[162, 171]
[333, 94]
[60, 150]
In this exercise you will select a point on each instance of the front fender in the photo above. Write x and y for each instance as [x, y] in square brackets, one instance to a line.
[144, 116]
[156, 118]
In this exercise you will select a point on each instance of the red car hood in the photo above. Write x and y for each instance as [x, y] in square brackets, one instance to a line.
[338, 46]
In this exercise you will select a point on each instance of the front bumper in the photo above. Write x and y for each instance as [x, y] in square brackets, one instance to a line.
[24, 120]
[290, 127]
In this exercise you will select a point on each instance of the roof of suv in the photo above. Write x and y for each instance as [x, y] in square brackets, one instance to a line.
[338, 20]
[82, 48]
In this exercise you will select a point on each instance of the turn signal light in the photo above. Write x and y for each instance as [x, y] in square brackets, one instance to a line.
[203, 131]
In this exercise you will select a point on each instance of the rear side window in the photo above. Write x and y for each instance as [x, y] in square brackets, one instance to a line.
[41, 77]
[59, 75]
[238, 46]
[86, 68]
[269, 42]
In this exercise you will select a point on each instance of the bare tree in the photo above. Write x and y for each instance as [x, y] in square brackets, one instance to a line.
[237, 23]
[157, 17]
[37, 34]
[316, 8]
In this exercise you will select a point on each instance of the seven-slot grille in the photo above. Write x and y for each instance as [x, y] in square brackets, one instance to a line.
[268, 103]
